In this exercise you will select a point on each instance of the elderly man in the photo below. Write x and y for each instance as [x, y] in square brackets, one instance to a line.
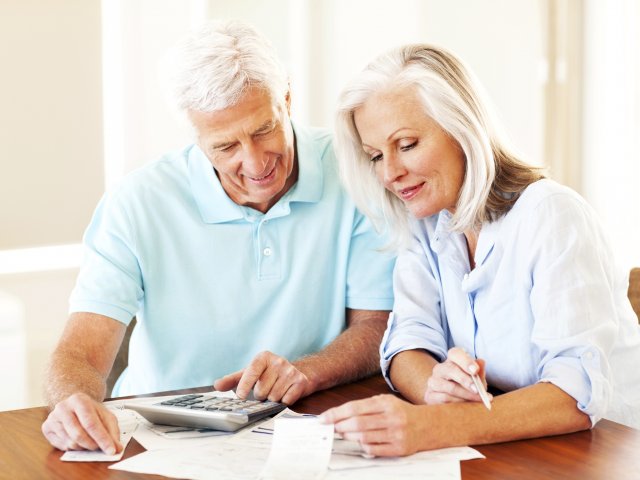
[240, 251]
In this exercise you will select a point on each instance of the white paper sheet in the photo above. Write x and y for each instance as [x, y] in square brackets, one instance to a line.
[244, 455]
[216, 461]
[429, 470]
[456, 454]
[300, 450]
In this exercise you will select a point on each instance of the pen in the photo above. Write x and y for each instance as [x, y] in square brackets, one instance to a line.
[481, 391]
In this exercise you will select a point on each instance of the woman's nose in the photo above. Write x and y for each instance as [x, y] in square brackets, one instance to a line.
[392, 169]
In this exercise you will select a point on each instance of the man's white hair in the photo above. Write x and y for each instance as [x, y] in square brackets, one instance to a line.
[214, 66]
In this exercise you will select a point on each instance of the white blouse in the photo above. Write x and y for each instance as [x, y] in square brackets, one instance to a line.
[545, 302]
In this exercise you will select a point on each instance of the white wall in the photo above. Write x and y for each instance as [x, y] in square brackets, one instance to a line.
[323, 43]
[44, 298]
[50, 120]
[612, 122]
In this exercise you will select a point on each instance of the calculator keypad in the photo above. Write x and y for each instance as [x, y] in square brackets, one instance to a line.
[221, 404]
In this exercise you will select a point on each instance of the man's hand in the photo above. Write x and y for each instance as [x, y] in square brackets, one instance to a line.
[81, 423]
[271, 377]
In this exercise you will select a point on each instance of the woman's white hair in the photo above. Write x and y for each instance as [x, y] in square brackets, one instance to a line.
[211, 68]
[450, 95]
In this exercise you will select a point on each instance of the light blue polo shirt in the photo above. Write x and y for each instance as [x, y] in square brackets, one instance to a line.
[213, 283]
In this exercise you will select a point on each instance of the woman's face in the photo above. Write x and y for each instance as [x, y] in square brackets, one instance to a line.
[413, 157]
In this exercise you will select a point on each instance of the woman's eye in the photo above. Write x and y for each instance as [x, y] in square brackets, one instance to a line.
[376, 158]
[404, 148]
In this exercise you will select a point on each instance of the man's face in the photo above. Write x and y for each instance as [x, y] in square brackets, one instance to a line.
[251, 147]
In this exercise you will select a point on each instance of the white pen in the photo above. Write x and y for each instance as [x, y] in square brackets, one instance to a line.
[481, 391]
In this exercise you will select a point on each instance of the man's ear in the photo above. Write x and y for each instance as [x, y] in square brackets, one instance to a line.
[287, 100]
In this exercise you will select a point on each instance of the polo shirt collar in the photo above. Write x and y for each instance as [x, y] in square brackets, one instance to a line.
[310, 182]
[214, 204]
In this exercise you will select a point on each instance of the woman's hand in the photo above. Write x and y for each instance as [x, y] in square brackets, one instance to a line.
[384, 425]
[451, 380]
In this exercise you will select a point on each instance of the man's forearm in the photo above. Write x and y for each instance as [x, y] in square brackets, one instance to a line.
[67, 375]
[351, 356]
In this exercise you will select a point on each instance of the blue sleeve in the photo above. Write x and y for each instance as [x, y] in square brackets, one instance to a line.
[110, 280]
[369, 270]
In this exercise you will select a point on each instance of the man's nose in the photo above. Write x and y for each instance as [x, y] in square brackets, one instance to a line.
[255, 161]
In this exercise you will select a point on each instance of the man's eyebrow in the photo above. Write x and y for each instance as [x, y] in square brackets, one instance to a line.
[265, 127]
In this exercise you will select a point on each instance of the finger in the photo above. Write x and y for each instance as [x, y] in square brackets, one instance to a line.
[57, 442]
[451, 372]
[110, 421]
[383, 450]
[372, 436]
[286, 377]
[436, 398]
[95, 428]
[281, 386]
[449, 390]
[461, 358]
[363, 423]
[293, 394]
[228, 382]
[252, 374]
[268, 381]
[55, 434]
[75, 433]
[352, 409]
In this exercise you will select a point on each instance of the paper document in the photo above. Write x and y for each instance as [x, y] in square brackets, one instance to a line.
[300, 450]
[127, 422]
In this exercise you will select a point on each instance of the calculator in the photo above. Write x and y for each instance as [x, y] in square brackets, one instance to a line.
[207, 411]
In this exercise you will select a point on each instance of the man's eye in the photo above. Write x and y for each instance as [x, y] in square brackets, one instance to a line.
[265, 133]
[228, 148]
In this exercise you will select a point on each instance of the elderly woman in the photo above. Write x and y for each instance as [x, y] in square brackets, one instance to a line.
[502, 274]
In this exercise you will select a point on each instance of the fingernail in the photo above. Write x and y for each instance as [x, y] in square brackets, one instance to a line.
[473, 388]
[473, 369]
[111, 451]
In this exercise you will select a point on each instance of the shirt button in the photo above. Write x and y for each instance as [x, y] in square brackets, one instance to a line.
[588, 355]
[267, 252]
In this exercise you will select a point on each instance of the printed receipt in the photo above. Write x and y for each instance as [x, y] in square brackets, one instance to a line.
[301, 450]
[127, 421]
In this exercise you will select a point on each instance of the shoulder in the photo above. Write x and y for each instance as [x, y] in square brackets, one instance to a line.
[160, 178]
[551, 216]
[549, 202]
[315, 140]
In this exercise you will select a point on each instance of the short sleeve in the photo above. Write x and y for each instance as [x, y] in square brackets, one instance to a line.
[369, 269]
[110, 280]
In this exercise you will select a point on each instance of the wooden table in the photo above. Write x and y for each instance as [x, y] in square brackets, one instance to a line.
[609, 450]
